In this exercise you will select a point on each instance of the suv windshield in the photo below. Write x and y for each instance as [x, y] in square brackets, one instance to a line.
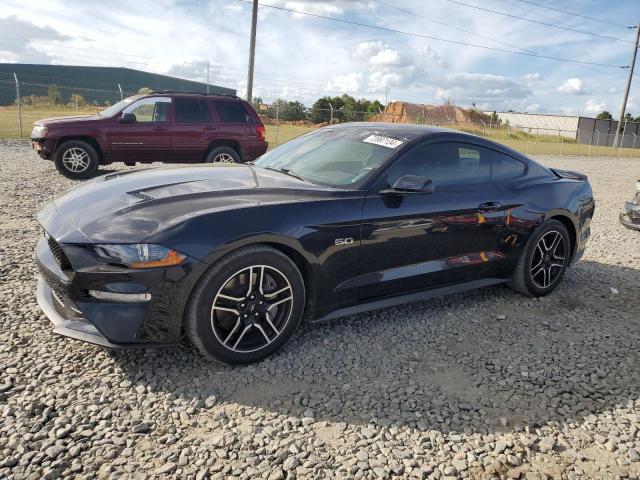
[336, 157]
[113, 109]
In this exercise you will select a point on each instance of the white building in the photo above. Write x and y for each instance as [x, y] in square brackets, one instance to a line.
[540, 124]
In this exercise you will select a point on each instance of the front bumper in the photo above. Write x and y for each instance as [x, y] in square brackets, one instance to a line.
[76, 327]
[64, 295]
[43, 147]
[630, 215]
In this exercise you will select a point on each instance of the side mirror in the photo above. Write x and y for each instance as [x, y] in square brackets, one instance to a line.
[410, 184]
[127, 118]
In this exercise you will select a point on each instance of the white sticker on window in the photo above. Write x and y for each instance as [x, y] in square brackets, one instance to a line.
[468, 153]
[383, 141]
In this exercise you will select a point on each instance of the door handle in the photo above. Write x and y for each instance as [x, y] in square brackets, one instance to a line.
[209, 128]
[160, 129]
[487, 207]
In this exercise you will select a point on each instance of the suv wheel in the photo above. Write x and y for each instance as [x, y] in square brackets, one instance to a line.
[246, 306]
[544, 261]
[76, 160]
[223, 155]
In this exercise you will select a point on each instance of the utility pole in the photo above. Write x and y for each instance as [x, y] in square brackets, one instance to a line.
[626, 90]
[386, 97]
[252, 50]
[207, 77]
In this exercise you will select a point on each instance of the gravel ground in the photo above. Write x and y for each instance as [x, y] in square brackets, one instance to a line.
[487, 384]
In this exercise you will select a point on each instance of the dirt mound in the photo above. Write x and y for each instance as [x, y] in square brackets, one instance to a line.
[405, 112]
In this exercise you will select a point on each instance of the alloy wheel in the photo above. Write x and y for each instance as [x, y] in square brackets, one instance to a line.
[76, 160]
[252, 308]
[548, 259]
[223, 158]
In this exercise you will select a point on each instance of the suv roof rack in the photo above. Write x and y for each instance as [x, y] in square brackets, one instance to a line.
[198, 93]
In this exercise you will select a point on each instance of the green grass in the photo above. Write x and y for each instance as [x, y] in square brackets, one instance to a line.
[519, 140]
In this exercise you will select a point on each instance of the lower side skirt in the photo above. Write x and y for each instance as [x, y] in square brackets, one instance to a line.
[410, 297]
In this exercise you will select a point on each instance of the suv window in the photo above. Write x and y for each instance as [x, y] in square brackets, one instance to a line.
[446, 163]
[504, 167]
[233, 112]
[192, 110]
[150, 109]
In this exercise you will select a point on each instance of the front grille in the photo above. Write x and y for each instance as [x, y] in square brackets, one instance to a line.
[57, 252]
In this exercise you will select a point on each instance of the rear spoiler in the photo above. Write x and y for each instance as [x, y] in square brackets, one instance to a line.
[569, 174]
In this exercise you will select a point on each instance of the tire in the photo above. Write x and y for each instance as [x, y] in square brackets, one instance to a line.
[223, 320]
[77, 160]
[223, 155]
[527, 277]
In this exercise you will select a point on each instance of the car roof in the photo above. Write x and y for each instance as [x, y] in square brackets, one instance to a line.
[172, 93]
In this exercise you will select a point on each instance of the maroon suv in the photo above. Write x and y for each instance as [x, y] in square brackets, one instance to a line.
[159, 127]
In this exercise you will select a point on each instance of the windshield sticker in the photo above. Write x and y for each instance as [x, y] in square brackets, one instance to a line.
[383, 141]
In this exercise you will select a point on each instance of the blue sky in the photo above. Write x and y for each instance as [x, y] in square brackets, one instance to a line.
[301, 58]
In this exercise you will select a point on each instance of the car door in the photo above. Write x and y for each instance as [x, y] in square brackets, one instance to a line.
[193, 129]
[414, 241]
[235, 122]
[147, 138]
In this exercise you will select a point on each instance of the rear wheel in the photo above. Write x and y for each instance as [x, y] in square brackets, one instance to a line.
[246, 306]
[76, 160]
[546, 257]
[223, 155]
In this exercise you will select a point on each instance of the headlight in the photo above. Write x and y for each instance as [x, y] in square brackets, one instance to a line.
[141, 255]
[38, 131]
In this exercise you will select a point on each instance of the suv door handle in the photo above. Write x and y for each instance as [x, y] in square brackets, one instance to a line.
[160, 129]
[487, 207]
[209, 128]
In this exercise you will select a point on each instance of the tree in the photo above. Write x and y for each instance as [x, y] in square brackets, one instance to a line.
[604, 116]
[77, 100]
[53, 92]
[321, 110]
[495, 119]
[287, 111]
[144, 91]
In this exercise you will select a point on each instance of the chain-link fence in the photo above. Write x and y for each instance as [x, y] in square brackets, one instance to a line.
[22, 103]
[287, 120]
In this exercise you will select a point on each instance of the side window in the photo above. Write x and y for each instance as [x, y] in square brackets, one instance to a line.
[233, 112]
[445, 164]
[150, 109]
[504, 167]
[192, 110]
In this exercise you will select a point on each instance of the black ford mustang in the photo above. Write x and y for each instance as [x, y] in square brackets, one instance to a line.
[341, 220]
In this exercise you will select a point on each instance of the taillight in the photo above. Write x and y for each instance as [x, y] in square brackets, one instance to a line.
[260, 132]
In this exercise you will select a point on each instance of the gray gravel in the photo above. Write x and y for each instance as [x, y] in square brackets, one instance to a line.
[480, 385]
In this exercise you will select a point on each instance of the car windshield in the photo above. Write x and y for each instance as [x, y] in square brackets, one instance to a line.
[113, 109]
[338, 157]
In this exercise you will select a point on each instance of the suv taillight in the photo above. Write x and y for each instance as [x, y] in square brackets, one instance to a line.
[260, 132]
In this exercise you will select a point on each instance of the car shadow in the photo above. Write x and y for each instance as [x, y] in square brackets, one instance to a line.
[484, 361]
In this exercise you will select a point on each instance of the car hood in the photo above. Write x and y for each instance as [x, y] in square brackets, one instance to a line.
[48, 122]
[133, 205]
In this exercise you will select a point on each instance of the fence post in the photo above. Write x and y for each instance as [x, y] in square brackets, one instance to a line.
[19, 106]
[624, 131]
[635, 137]
[331, 118]
[277, 121]
[120, 89]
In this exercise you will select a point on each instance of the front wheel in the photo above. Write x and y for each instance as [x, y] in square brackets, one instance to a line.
[544, 261]
[76, 160]
[246, 306]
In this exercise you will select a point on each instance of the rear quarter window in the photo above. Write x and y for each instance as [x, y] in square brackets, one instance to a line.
[233, 112]
[504, 167]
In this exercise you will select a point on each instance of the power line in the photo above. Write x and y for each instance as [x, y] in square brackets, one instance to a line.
[452, 26]
[574, 14]
[455, 42]
[584, 32]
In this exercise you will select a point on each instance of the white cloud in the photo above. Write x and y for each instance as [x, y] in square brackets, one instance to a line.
[573, 86]
[594, 107]
[345, 83]
[531, 77]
